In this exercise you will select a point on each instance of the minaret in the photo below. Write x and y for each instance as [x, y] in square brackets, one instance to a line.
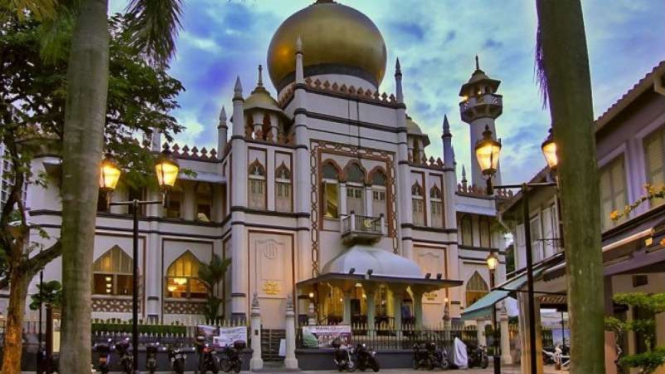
[480, 107]
[447, 137]
[222, 133]
[405, 216]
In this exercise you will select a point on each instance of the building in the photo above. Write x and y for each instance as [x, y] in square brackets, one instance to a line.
[322, 190]
[631, 154]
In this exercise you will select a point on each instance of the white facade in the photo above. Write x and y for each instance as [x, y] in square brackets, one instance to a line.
[292, 183]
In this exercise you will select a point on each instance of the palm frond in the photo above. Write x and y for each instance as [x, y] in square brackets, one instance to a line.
[154, 26]
[40, 9]
[539, 67]
[56, 36]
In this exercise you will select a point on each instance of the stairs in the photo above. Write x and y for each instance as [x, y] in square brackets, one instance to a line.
[270, 339]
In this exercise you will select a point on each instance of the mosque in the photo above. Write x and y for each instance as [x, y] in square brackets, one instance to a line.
[323, 190]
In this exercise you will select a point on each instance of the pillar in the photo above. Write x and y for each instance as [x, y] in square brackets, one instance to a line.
[506, 357]
[480, 331]
[347, 307]
[418, 308]
[398, 294]
[405, 216]
[290, 361]
[447, 323]
[369, 199]
[256, 363]
[523, 301]
[311, 315]
[370, 292]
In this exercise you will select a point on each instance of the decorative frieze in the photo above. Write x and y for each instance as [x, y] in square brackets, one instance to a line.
[112, 305]
[183, 307]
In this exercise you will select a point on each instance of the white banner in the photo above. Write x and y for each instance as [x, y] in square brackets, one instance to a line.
[228, 335]
[323, 336]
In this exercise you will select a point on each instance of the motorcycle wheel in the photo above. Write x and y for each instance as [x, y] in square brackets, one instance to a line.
[415, 364]
[445, 364]
[237, 367]
[484, 363]
[351, 366]
[375, 365]
[213, 366]
[361, 367]
[225, 366]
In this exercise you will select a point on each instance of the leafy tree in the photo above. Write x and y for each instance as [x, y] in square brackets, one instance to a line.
[211, 275]
[653, 357]
[49, 293]
[33, 101]
[563, 68]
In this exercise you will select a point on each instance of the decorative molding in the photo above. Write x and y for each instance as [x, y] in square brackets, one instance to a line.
[183, 307]
[112, 305]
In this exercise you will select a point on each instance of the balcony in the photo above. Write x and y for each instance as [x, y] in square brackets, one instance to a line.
[356, 228]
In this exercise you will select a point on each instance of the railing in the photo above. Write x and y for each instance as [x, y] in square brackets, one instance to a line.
[355, 223]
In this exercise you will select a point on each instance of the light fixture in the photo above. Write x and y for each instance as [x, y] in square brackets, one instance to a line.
[370, 271]
[487, 154]
[352, 270]
[341, 300]
[109, 174]
[108, 279]
[428, 275]
[167, 170]
[364, 296]
[492, 261]
[358, 285]
[549, 151]
[439, 276]
[180, 281]
[171, 288]
[311, 295]
[108, 290]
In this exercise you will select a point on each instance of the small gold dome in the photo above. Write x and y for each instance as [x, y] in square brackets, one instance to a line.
[336, 39]
[261, 99]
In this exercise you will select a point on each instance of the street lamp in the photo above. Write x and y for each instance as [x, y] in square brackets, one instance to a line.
[492, 264]
[167, 172]
[487, 152]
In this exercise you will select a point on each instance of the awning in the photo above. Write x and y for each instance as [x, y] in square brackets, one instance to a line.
[484, 306]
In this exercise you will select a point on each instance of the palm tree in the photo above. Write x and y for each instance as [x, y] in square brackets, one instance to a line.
[563, 69]
[211, 275]
[155, 27]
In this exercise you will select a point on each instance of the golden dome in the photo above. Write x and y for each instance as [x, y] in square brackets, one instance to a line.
[261, 98]
[336, 39]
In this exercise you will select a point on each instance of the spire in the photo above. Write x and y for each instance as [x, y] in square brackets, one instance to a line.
[237, 90]
[452, 148]
[300, 70]
[222, 117]
[260, 81]
[398, 68]
[299, 45]
[477, 63]
[446, 125]
[399, 93]
[464, 181]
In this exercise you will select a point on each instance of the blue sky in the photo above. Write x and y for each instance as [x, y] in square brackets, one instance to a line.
[436, 41]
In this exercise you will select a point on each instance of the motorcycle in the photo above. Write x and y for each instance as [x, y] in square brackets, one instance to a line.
[366, 358]
[207, 359]
[104, 356]
[151, 359]
[477, 356]
[430, 357]
[177, 359]
[126, 357]
[343, 358]
[233, 361]
[420, 356]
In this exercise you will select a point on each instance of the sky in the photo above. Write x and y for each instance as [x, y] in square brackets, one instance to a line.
[436, 41]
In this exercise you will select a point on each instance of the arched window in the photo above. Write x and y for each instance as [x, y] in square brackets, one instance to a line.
[418, 204]
[203, 201]
[265, 128]
[485, 233]
[174, 202]
[283, 196]
[112, 273]
[182, 278]
[379, 205]
[476, 288]
[257, 186]
[466, 230]
[355, 187]
[436, 203]
[416, 151]
[330, 190]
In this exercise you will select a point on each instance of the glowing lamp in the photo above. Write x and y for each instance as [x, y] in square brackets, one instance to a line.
[492, 261]
[109, 174]
[487, 153]
[167, 170]
[549, 151]
[180, 281]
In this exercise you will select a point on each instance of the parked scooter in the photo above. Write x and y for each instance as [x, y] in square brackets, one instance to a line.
[343, 358]
[420, 356]
[366, 358]
[207, 359]
[438, 358]
[103, 356]
[151, 357]
[126, 357]
[477, 356]
[233, 361]
[177, 358]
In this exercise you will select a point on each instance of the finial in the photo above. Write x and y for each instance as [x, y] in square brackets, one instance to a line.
[260, 83]
[452, 149]
[446, 125]
[255, 301]
[299, 45]
[237, 90]
[222, 115]
[463, 174]
[398, 67]
[477, 63]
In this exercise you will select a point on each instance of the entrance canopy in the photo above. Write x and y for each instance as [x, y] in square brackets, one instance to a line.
[484, 306]
[369, 264]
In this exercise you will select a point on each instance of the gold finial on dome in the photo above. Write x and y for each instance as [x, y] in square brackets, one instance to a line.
[477, 63]
[260, 81]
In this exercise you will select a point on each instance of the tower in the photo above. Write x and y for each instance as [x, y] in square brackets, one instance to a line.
[480, 107]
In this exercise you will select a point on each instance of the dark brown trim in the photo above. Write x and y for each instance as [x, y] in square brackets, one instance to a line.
[345, 121]
[428, 229]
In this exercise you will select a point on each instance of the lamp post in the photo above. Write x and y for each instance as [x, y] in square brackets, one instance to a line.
[487, 153]
[492, 264]
[167, 172]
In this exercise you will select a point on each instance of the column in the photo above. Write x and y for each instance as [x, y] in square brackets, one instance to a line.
[447, 324]
[480, 331]
[523, 301]
[342, 200]
[369, 198]
[256, 363]
[290, 361]
[188, 209]
[506, 357]
[311, 315]
[371, 310]
[398, 294]
[347, 307]
[418, 307]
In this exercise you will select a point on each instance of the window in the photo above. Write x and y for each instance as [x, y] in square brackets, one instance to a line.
[354, 200]
[476, 288]
[283, 189]
[485, 232]
[257, 186]
[330, 191]
[536, 239]
[112, 273]
[203, 201]
[437, 207]
[182, 278]
[174, 202]
[653, 149]
[379, 205]
[467, 231]
[418, 203]
[612, 192]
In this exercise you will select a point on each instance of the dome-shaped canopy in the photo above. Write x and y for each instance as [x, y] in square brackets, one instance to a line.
[336, 39]
[261, 99]
[412, 128]
[382, 263]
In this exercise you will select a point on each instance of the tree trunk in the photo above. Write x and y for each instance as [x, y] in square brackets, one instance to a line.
[566, 67]
[85, 113]
[13, 348]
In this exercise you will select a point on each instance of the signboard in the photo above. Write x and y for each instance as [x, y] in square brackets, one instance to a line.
[323, 336]
[228, 335]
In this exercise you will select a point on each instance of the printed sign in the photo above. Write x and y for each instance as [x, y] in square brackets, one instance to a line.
[323, 336]
[228, 335]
